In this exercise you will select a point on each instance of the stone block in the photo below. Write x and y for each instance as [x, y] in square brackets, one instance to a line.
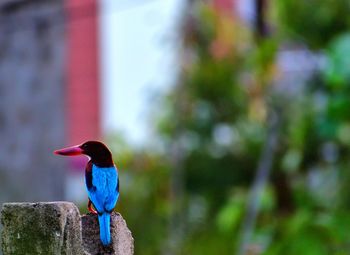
[41, 228]
[57, 228]
[122, 240]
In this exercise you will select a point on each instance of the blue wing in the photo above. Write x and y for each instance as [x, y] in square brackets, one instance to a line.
[104, 192]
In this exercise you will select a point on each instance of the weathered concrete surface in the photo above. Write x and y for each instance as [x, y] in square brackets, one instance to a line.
[57, 228]
[41, 228]
[122, 240]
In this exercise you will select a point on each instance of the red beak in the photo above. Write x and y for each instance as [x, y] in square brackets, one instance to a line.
[70, 151]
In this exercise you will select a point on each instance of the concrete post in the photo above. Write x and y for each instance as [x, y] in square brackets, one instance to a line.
[57, 228]
[123, 242]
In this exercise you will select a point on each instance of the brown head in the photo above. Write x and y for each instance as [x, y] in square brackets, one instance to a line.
[97, 151]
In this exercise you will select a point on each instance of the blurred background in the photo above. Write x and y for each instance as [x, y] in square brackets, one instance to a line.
[229, 120]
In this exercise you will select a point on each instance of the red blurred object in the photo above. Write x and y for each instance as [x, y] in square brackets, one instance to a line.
[83, 87]
[83, 93]
[226, 6]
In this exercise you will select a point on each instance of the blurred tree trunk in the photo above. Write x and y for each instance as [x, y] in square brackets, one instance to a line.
[265, 163]
[262, 175]
[177, 221]
[261, 30]
[176, 228]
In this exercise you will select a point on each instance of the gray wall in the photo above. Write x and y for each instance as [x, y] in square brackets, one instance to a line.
[31, 99]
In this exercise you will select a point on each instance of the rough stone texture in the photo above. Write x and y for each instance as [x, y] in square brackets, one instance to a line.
[57, 228]
[122, 240]
[41, 228]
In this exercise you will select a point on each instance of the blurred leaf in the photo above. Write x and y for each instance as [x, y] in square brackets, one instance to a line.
[229, 217]
[313, 22]
[291, 160]
[337, 72]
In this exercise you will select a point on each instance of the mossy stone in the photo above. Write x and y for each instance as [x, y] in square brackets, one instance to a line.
[41, 228]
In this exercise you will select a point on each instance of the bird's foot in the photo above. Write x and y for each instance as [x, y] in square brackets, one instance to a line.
[90, 208]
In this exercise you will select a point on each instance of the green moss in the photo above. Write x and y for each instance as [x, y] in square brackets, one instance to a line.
[39, 229]
[31, 232]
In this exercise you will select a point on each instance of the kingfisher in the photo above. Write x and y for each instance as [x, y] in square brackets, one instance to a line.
[102, 182]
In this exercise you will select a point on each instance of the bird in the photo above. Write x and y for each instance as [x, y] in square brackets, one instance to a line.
[102, 182]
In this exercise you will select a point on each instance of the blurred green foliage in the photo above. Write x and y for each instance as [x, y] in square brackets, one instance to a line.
[313, 22]
[217, 116]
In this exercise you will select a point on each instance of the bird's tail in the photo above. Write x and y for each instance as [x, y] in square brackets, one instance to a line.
[105, 232]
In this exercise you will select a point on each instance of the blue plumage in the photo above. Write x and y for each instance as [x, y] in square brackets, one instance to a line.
[105, 231]
[104, 196]
[102, 182]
